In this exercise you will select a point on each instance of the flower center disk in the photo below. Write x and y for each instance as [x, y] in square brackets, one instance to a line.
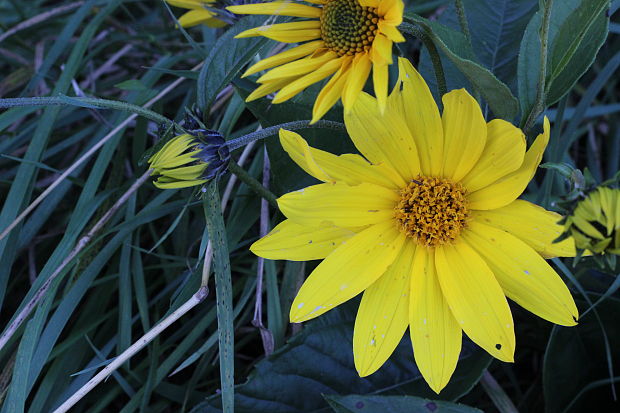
[432, 211]
[348, 28]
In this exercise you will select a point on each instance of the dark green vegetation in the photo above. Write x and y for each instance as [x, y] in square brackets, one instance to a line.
[147, 260]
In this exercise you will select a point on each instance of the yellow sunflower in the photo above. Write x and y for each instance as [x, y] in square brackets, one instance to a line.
[427, 225]
[199, 13]
[595, 223]
[344, 39]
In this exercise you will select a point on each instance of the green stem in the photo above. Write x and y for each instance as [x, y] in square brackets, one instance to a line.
[460, 11]
[433, 53]
[91, 103]
[223, 293]
[497, 394]
[541, 95]
[273, 130]
[250, 181]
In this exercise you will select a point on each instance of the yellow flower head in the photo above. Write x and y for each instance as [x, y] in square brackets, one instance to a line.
[344, 40]
[200, 12]
[595, 223]
[189, 160]
[427, 224]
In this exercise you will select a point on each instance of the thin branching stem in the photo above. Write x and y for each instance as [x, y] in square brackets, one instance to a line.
[196, 299]
[273, 130]
[250, 181]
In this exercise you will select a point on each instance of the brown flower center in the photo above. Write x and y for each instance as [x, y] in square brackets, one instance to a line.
[432, 211]
[347, 28]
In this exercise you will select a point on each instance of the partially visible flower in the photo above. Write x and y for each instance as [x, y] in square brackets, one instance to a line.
[200, 12]
[595, 222]
[343, 39]
[427, 225]
[190, 159]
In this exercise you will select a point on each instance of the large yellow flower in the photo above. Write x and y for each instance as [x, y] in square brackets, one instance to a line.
[344, 38]
[199, 13]
[427, 224]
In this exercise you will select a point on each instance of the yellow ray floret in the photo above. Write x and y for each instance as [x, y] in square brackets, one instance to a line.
[427, 224]
[347, 40]
[198, 13]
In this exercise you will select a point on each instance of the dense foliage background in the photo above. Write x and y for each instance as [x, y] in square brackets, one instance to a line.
[148, 258]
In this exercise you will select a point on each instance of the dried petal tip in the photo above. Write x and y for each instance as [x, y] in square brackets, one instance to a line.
[190, 159]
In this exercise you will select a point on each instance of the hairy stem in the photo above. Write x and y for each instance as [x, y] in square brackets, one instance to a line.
[250, 181]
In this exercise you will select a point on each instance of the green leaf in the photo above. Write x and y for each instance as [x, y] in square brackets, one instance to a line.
[226, 60]
[319, 361]
[496, 29]
[575, 374]
[223, 290]
[575, 46]
[131, 84]
[577, 31]
[456, 48]
[394, 404]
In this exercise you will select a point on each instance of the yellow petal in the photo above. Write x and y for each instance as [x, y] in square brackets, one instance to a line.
[294, 242]
[269, 87]
[507, 189]
[277, 8]
[294, 32]
[331, 92]
[390, 31]
[525, 276]
[465, 133]
[351, 169]
[348, 271]
[435, 334]
[188, 4]
[383, 316]
[532, 224]
[195, 17]
[422, 117]
[293, 88]
[299, 67]
[340, 204]
[476, 299]
[502, 155]
[381, 50]
[285, 57]
[382, 138]
[356, 79]
[392, 11]
[380, 82]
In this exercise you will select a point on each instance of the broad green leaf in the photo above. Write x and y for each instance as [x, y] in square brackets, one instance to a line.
[226, 59]
[577, 30]
[393, 404]
[496, 28]
[319, 361]
[458, 50]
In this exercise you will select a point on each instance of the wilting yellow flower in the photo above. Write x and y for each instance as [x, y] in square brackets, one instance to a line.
[189, 159]
[595, 223]
[199, 13]
[428, 225]
[345, 38]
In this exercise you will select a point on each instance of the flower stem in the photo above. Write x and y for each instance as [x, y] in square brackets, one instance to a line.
[273, 130]
[253, 183]
[460, 11]
[541, 95]
[433, 53]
